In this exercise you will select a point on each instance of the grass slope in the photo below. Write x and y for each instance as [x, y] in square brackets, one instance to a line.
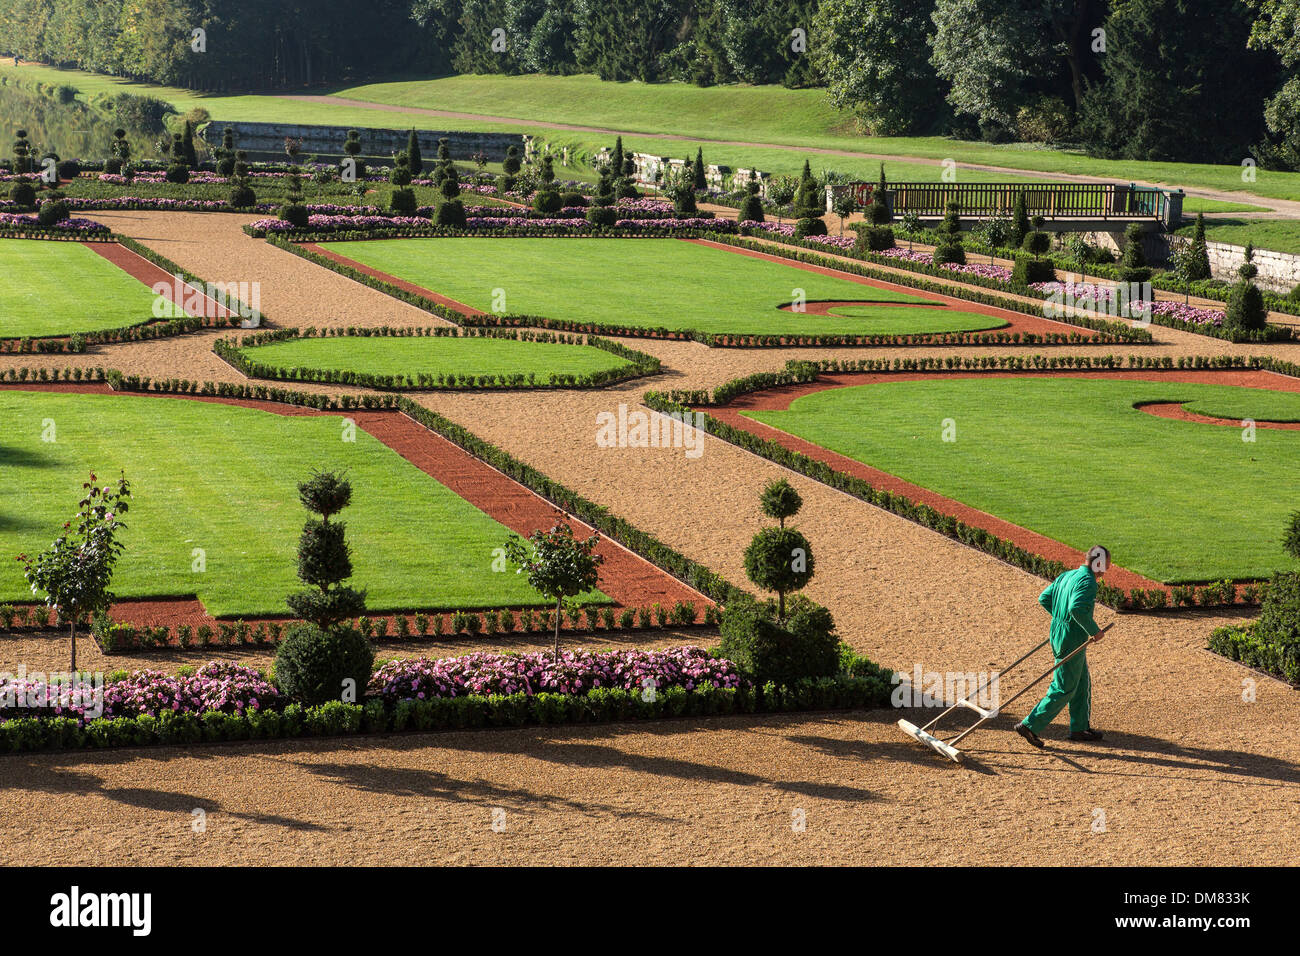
[55, 288]
[224, 479]
[435, 355]
[1074, 460]
[643, 282]
[759, 118]
[1279, 235]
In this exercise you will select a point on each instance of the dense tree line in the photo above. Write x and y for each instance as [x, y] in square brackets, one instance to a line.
[1200, 80]
[245, 44]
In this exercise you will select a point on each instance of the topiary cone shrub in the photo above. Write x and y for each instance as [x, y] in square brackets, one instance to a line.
[1245, 310]
[949, 248]
[402, 202]
[451, 212]
[324, 659]
[1133, 263]
[52, 211]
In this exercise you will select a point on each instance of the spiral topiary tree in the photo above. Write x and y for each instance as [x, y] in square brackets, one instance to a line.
[949, 247]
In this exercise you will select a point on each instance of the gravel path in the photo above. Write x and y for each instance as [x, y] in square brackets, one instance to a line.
[1189, 773]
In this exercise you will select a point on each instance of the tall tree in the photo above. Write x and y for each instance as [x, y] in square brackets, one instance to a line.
[876, 61]
[1278, 29]
[1166, 94]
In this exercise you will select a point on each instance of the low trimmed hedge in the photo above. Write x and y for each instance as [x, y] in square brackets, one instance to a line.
[603, 705]
[798, 372]
[1107, 333]
[1243, 644]
[639, 363]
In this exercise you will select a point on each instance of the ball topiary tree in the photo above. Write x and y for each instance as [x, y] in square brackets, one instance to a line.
[352, 149]
[22, 152]
[1037, 269]
[1245, 312]
[511, 164]
[323, 658]
[779, 559]
[324, 558]
[557, 564]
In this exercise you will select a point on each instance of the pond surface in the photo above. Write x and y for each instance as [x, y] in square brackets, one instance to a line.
[73, 130]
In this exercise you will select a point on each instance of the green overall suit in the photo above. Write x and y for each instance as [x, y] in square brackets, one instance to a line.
[1069, 599]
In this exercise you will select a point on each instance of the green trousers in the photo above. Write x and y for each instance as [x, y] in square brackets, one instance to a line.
[1070, 685]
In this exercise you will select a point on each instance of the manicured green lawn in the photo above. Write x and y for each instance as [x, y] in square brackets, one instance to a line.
[1255, 404]
[1074, 460]
[787, 125]
[1279, 235]
[435, 355]
[640, 282]
[55, 288]
[224, 480]
[886, 320]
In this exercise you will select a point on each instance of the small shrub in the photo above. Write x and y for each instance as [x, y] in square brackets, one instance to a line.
[313, 666]
[506, 618]
[450, 213]
[627, 618]
[1028, 270]
[422, 624]
[809, 226]
[608, 618]
[295, 214]
[603, 216]
[52, 211]
[764, 650]
[23, 193]
[403, 202]
[177, 173]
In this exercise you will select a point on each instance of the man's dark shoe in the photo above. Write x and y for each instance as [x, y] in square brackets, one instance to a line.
[1088, 734]
[1029, 735]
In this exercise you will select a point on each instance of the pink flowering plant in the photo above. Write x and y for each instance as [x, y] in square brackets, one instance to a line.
[573, 672]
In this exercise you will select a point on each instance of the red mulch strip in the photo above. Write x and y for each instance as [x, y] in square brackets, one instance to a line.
[781, 397]
[391, 279]
[628, 579]
[1018, 321]
[1178, 413]
[138, 266]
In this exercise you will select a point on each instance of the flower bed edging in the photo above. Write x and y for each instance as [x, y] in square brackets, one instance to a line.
[639, 363]
[472, 712]
[1111, 333]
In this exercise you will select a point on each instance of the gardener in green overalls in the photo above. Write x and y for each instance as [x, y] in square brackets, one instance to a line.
[1070, 600]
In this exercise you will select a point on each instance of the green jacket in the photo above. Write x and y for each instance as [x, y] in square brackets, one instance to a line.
[1070, 600]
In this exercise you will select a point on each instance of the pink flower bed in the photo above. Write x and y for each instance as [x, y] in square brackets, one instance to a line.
[215, 686]
[574, 673]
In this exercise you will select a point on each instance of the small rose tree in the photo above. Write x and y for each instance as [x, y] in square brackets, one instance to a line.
[557, 564]
[73, 575]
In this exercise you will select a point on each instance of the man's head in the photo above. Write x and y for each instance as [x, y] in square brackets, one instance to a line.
[1098, 559]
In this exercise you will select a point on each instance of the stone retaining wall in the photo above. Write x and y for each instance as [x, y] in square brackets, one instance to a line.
[328, 140]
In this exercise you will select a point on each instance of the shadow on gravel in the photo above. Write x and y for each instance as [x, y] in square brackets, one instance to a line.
[409, 782]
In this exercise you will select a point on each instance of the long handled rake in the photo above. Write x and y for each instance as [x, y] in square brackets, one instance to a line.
[946, 747]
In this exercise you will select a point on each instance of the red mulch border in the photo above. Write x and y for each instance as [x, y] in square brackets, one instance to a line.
[632, 580]
[779, 398]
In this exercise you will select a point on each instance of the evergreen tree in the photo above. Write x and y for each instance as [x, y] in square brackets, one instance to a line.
[701, 181]
[415, 160]
[1198, 254]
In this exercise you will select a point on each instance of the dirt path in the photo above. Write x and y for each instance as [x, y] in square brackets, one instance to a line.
[1277, 208]
[1189, 773]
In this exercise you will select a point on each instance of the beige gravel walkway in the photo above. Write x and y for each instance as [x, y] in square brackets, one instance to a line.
[1190, 773]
